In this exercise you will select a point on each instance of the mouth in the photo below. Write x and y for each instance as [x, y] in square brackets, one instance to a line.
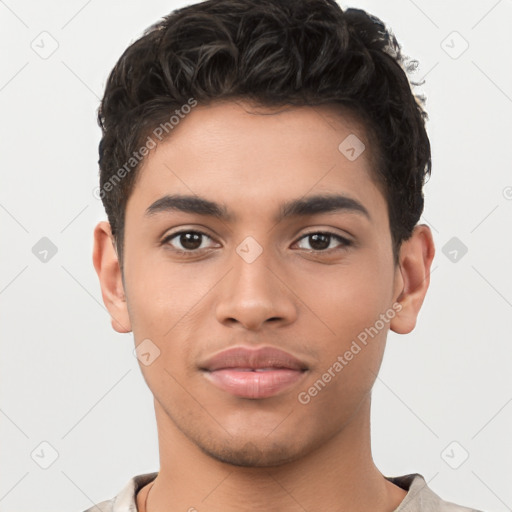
[253, 373]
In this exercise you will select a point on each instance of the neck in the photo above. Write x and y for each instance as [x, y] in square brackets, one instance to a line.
[339, 475]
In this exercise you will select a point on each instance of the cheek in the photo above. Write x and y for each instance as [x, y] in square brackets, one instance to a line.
[347, 361]
[350, 339]
[160, 294]
[346, 298]
[167, 306]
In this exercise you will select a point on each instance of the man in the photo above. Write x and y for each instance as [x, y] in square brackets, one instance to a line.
[261, 167]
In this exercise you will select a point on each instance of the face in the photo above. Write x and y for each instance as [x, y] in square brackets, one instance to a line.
[309, 278]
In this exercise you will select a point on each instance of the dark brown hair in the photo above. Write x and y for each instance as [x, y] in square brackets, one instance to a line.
[274, 53]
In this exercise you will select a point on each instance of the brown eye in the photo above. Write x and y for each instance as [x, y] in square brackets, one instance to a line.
[186, 241]
[321, 241]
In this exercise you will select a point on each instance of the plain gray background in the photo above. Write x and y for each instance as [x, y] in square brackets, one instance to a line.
[69, 381]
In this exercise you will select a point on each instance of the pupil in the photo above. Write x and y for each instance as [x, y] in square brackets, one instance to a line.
[324, 241]
[186, 240]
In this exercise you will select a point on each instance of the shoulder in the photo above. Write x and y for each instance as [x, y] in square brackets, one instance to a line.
[126, 500]
[421, 498]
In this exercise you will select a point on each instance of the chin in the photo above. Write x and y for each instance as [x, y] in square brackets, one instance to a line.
[251, 455]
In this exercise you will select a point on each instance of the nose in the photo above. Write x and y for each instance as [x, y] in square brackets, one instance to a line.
[254, 294]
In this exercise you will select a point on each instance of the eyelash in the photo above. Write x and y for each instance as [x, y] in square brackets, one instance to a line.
[345, 243]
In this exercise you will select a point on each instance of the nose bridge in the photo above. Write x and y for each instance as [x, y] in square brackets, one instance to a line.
[252, 293]
[251, 264]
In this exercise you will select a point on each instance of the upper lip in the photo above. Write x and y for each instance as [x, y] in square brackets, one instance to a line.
[253, 358]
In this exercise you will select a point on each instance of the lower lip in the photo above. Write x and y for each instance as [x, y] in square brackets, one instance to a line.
[252, 384]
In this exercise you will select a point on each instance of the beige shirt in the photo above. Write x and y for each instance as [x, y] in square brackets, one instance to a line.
[419, 498]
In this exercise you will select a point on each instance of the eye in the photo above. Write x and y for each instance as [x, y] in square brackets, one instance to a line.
[320, 241]
[190, 241]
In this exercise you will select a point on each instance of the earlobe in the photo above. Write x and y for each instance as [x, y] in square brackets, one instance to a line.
[416, 255]
[107, 267]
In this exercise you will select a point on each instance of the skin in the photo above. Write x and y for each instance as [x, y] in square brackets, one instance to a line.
[279, 454]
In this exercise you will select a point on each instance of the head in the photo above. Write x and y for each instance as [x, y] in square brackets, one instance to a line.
[260, 113]
[275, 54]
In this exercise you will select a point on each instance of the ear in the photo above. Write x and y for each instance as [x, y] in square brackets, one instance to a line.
[107, 267]
[413, 277]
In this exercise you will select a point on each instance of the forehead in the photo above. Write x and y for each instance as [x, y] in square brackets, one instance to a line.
[248, 155]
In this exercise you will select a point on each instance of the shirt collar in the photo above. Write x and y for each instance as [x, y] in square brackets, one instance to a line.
[419, 495]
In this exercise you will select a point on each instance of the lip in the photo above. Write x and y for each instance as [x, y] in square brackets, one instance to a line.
[253, 373]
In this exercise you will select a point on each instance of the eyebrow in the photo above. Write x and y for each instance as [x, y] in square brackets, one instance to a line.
[311, 205]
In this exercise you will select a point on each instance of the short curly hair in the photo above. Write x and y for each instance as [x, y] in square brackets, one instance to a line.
[273, 53]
